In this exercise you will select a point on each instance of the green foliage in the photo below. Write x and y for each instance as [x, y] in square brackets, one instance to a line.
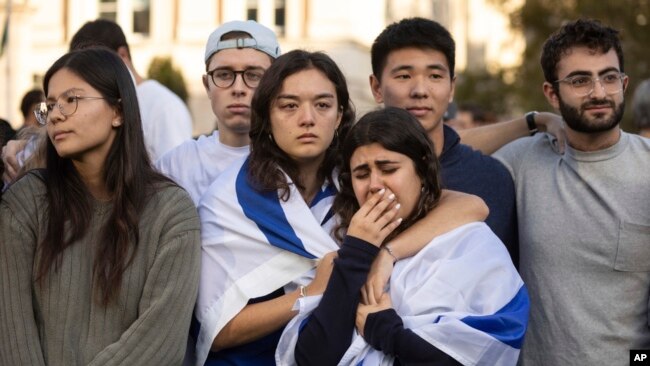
[162, 70]
[538, 19]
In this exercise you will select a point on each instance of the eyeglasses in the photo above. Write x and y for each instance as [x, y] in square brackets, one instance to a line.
[225, 78]
[582, 85]
[67, 104]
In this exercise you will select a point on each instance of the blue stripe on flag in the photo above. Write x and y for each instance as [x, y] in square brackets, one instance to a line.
[508, 325]
[303, 323]
[265, 210]
[328, 191]
[328, 216]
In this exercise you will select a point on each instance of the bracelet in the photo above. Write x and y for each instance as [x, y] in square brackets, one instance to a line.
[530, 120]
[390, 251]
[303, 291]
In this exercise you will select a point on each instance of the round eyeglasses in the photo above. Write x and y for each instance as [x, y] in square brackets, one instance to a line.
[225, 78]
[583, 85]
[67, 104]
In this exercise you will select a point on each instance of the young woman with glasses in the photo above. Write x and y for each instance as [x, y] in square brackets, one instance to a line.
[266, 221]
[99, 254]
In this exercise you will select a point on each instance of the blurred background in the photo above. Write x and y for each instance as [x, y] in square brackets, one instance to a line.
[498, 42]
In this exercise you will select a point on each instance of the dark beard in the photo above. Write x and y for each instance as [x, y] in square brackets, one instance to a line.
[576, 120]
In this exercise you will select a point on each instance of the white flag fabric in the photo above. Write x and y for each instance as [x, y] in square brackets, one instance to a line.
[254, 243]
[461, 293]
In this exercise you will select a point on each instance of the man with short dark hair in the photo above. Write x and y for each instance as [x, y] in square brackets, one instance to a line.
[166, 121]
[584, 217]
[413, 68]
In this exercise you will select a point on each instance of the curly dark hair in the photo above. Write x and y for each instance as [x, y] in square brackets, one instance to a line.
[267, 160]
[589, 33]
[396, 130]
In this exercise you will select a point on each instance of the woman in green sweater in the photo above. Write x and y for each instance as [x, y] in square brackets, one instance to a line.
[99, 254]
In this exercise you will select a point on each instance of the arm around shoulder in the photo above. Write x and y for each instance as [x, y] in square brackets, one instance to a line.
[488, 139]
[453, 210]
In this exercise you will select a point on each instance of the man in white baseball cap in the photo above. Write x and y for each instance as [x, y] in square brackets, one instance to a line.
[236, 56]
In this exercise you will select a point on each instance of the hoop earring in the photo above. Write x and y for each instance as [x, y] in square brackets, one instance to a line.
[270, 137]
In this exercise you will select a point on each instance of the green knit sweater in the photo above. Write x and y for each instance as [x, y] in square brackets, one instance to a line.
[61, 323]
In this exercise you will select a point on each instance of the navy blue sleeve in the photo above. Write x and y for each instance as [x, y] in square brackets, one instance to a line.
[385, 331]
[328, 331]
[469, 171]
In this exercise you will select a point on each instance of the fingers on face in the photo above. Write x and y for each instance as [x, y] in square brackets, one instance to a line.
[370, 204]
[382, 207]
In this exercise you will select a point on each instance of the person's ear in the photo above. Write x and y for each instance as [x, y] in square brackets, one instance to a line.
[375, 87]
[453, 89]
[123, 52]
[551, 95]
[206, 79]
[117, 118]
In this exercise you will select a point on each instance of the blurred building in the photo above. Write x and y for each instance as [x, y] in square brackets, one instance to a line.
[40, 30]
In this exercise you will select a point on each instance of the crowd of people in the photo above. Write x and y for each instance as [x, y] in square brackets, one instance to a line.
[297, 234]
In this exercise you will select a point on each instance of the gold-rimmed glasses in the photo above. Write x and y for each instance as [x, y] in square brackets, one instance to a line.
[67, 103]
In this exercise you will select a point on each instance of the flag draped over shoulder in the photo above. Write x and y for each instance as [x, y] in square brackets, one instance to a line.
[460, 293]
[254, 243]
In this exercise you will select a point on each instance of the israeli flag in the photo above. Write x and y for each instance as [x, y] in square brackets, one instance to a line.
[461, 293]
[254, 243]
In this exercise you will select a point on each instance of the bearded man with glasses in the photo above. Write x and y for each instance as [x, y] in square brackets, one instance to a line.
[584, 216]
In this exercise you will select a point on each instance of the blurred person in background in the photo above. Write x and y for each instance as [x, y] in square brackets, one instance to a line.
[6, 133]
[471, 115]
[166, 121]
[27, 106]
[641, 108]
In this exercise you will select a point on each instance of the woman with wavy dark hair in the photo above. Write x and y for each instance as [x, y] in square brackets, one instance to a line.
[266, 222]
[450, 304]
[99, 253]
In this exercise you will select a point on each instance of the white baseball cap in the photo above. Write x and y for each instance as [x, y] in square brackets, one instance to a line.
[261, 38]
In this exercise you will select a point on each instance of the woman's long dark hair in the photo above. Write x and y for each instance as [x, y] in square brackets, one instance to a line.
[396, 130]
[266, 158]
[128, 175]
